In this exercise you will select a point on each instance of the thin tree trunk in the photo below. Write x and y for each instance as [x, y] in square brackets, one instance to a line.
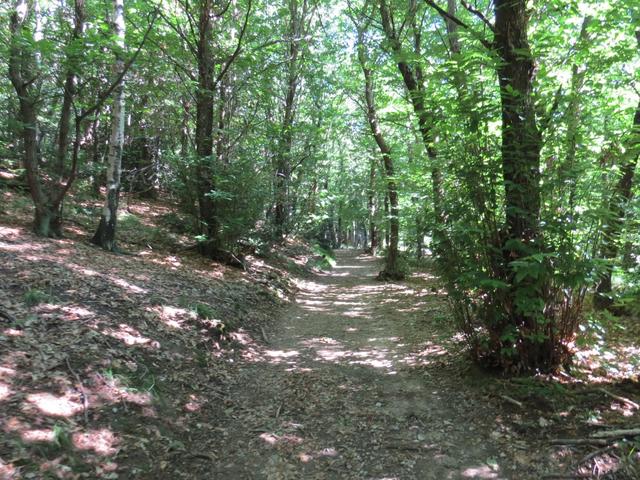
[391, 270]
[298, 17]
[386, 216]
[69, 93]
[566, 172]
[105, 235]
[371, 207]
[618, 203]
[413, 79]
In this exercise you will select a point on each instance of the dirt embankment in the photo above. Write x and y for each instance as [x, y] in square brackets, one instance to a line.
[113, 366]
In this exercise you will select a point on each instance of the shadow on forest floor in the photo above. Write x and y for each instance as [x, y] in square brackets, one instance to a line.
[164, 365]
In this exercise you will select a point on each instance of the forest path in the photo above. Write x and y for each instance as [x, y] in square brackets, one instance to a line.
[345, 390]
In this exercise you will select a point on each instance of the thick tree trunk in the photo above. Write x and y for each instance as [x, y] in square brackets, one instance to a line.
[23, 73]
[518, 340]
[105, 235]
[521, 142]
[209, 223]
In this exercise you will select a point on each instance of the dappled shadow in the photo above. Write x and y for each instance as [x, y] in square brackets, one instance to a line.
[356, 352]
[99, 375]
[370, 317]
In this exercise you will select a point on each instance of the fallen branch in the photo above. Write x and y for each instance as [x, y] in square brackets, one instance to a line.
[562, 476]
[631, 432]
[579, 441]
[631, 403]
[264, 335]
[512, 400]
[411, 448]
[600, 451]
[203, 456]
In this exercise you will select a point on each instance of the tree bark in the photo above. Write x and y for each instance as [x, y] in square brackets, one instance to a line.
[69, 93]
[517, 340]
[209, 223]
[521, 141]
[105, 235]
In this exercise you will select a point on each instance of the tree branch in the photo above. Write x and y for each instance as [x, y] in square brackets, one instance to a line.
[236, 52]
[105, 95]
[447, 16]
[478, 14]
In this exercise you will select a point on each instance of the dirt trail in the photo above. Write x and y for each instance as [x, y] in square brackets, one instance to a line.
[347, 389]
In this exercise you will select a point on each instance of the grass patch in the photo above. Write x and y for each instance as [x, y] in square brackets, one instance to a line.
[138, 381]
[218, 328]
[35, 297]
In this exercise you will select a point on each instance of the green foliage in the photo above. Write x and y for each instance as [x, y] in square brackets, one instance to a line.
[140, 380]
[203, 310]
[324, 258]
[219, 328]
[34, 297]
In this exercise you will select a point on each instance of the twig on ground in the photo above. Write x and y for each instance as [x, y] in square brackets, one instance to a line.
[579, 441]
[631, 403]
[600, 451]
[264, 335]
[7, 316]
[278, 410]
[83, 394]
[411, 448]
[631, 432]
[244, 267]
[512, 400]
[203, 456]
[564, 476]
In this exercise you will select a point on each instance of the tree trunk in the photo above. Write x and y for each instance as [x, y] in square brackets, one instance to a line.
[105, 235]
[391, 270]
[371, 207]
[297, 21]
[413, 79]
[24, 73]
[209, 245]
[518, 339]
[386, 216]
[567, 174]
[618, 203]
[69, 93]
